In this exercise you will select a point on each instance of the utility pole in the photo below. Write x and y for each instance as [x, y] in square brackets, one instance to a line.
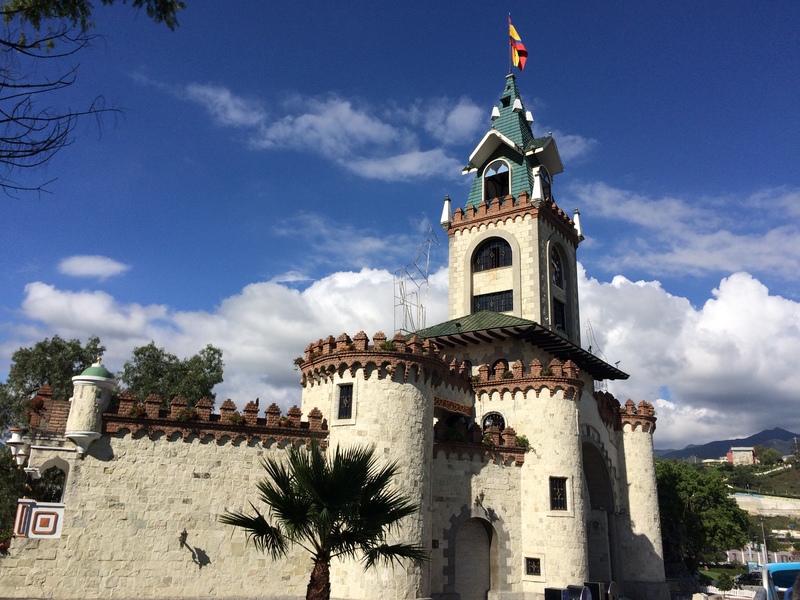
[764, 537]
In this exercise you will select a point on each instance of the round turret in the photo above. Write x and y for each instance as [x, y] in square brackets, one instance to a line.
[90, 398]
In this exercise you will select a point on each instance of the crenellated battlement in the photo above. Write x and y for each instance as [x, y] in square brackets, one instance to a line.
[609, 408]
[414, 357]
[557, 375]
[49, 416]
[491, 443]
[501, 209]
[641, 416]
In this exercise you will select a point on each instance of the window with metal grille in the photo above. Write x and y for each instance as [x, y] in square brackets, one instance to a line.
[345, 401]
[492, 254]
[533, 566]
[558, 493]
[495, 302]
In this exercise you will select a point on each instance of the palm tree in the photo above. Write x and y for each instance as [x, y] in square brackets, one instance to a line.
[339, 505]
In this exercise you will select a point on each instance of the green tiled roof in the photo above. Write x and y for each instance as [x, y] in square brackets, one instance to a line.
[514, 126]
[491, 327]
[474, 322]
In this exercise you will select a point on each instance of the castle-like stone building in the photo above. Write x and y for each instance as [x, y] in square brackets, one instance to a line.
[528, 475]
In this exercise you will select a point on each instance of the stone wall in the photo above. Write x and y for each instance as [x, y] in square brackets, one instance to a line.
[128, 505]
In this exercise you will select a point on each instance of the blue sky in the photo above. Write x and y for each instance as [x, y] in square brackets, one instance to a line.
[275, 164]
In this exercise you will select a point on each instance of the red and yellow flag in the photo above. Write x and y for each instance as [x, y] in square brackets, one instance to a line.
[518, 52]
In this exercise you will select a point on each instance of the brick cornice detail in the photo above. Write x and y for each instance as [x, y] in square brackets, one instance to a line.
[327, 357]
[453, 407]
[504, 454]
[641, 416]
[151, 419]
[496, 211]
[610, 409]
[556, 375]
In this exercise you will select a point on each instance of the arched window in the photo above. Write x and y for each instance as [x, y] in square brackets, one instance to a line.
[493, 253]
[556, 268]
[494, 419]
[547, 183]
[49, 487]
[496, 180]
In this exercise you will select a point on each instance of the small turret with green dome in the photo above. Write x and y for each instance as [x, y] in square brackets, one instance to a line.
[90, 398]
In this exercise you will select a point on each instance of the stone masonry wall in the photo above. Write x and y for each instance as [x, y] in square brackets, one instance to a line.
[129, 504]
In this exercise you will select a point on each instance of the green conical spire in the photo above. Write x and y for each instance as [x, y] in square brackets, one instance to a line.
[511, 140]
[513, 124]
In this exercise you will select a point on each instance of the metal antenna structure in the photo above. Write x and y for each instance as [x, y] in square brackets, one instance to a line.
[411, 289]
[594, 348]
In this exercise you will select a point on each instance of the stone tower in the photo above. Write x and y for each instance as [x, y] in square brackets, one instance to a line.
[90, 398]
[512, 249]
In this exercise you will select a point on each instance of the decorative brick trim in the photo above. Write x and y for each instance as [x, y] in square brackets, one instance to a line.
[641, 416]
[557, 375]
[453, 407]
[497, 211]
[46, 414]
[505, 454]
[609, 408]
[327, 357]
[217, 426]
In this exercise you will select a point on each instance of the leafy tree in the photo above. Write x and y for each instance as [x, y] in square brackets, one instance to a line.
[725, 583]
[52, 361]
[339, 505]
[36, 34]
[12, 487]
[743, 478]
[153, 370]
[770, 457]
[698, 518]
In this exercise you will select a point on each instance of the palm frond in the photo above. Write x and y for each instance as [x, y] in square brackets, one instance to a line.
[265, 537]
[390, 553]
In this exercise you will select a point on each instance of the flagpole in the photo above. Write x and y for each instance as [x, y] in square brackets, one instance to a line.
[510, 58]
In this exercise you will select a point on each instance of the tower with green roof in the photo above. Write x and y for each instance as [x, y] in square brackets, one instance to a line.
[90, 398]
[512, 249]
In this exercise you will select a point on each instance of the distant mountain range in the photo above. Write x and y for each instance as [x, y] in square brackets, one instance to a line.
[779, 439]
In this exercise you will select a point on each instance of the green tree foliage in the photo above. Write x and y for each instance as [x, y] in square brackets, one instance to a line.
[770, 457]
[52, 361]
[36, 34]
[12, 487]
[698, 518]
[153, 370]
[725, 582]
[342, 504]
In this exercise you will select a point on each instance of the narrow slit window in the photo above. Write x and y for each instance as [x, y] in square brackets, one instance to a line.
[345, 401]
[558, 493]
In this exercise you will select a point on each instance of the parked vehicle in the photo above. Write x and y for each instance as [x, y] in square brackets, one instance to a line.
[753, 578]
[777, 577]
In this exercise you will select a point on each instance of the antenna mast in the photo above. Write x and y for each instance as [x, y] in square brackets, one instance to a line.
[411, 289]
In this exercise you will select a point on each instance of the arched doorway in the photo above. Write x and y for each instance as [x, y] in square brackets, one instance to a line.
[600, 520]
[473, 573]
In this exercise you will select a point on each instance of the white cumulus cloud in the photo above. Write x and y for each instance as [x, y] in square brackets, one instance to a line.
[91, 266]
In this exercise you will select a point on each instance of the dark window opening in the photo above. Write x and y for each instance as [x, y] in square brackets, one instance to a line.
[496, 302]
[559, 315]
[346, 401]
[558, 493]
[547, 188]
[492, 254]
[497, 180]
[533, 566]
[494, 419]
[50, 486]
[556, 268]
